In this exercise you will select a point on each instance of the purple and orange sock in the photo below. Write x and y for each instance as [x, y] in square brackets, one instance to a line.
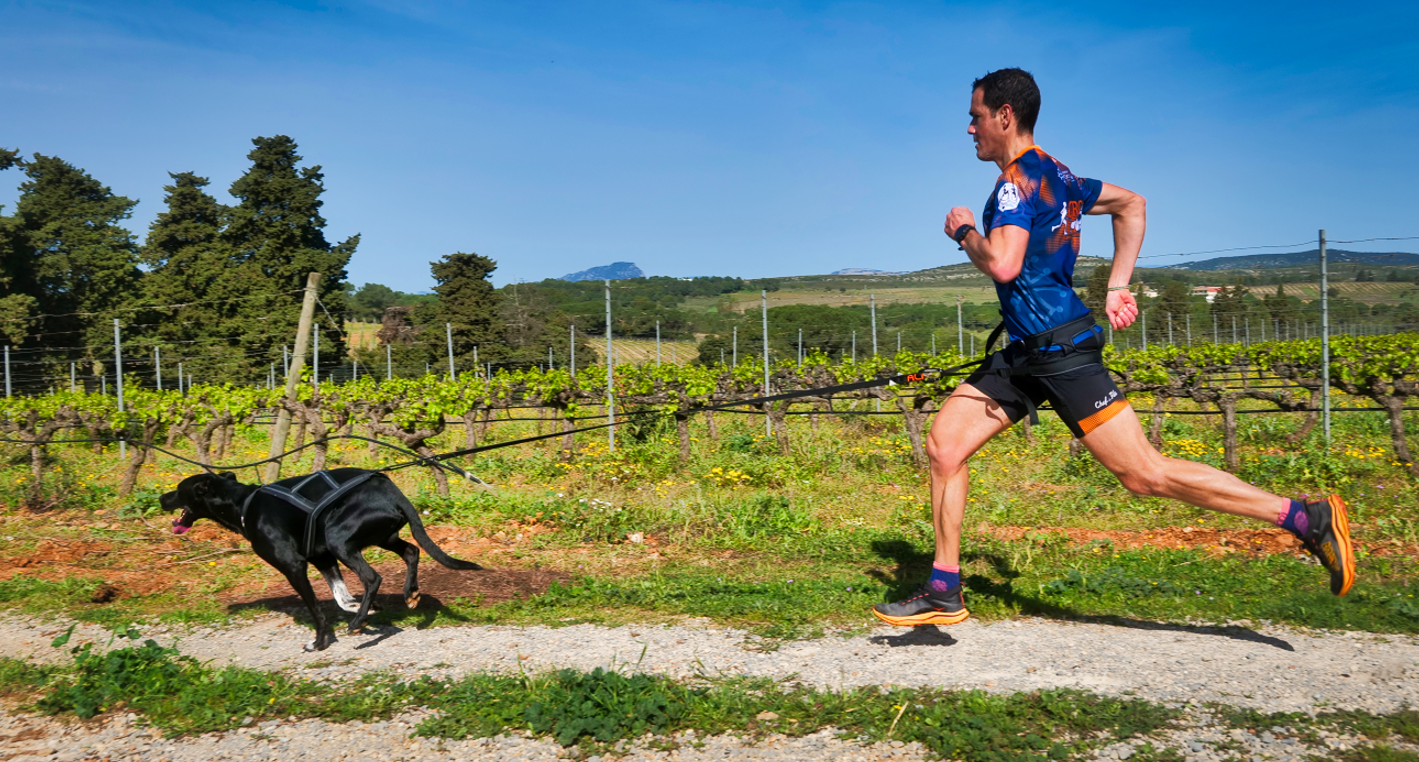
[944, 577]
[1294, 519]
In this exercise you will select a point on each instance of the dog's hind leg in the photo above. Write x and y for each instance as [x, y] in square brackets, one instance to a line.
[353, 558]
[330, 570]
[410, 553]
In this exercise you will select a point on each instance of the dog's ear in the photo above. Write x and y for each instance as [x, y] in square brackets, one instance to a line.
[228, 475]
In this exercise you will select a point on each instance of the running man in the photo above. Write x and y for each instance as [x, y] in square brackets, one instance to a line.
[1028, 247]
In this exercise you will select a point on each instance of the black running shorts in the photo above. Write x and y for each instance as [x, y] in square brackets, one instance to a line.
[1084, 398]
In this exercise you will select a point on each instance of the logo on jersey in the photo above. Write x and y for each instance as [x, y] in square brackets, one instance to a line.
[1069, 213]
[1008, 198]
[1064, 174]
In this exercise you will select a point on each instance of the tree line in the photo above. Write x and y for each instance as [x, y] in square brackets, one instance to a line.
[215, 286]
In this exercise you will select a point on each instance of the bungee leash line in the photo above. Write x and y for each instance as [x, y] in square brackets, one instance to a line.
[437, 461]
[900, 378]
[419, 459]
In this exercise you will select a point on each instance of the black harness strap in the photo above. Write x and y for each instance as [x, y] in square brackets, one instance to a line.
[1048, 353]
[312, 506]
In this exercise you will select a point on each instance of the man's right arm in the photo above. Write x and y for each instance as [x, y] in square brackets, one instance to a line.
[1130, 217]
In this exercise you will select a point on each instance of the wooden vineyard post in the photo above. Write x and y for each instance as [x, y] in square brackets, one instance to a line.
[293, 377]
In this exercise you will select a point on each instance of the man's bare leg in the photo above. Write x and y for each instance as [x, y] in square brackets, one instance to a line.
[965, 423]
[1120, 445]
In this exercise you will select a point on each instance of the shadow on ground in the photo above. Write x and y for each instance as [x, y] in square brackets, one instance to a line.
[913, 566]
[437, 587]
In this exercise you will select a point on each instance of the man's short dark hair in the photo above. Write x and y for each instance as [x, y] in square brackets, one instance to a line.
[1013, 86]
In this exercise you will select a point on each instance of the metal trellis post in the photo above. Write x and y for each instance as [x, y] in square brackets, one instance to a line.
[448, 339]
[610, 377]
[960, 335]
[315, 358]
[872, 302]
[1324, 341]
[118, 371]
[764, 313]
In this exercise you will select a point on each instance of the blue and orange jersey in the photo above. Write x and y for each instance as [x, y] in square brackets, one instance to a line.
[1038, 193]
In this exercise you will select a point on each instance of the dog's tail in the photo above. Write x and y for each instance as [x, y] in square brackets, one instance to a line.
[416, 526]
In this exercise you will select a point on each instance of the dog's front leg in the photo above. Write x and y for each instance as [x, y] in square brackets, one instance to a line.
[324, 635]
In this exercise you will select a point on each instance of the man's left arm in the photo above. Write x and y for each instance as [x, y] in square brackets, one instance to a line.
[1129, 211]
[1000, 254]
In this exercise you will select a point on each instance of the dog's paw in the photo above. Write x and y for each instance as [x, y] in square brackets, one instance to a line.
[320, 645]
[413, 600]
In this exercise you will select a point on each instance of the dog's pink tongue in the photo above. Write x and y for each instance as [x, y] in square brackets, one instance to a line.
[182, 523]
[179, 529]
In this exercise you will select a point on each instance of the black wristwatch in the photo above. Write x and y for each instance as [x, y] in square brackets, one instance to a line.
[961, 232]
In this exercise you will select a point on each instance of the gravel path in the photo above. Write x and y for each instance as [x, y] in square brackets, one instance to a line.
[1270, 668]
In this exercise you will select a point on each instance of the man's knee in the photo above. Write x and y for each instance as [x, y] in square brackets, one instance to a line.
[944, 458]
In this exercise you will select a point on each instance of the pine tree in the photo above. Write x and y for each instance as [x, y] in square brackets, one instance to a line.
[277, 237]
[75, 259]
[190, 266]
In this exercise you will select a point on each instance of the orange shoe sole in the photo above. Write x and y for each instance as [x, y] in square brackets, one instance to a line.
[928, 617]
[1340, 524]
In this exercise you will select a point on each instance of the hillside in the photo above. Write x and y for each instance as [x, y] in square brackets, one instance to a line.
[1302, 259]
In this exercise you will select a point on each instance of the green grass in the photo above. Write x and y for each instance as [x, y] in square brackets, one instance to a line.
[181, 696]
[836, 577]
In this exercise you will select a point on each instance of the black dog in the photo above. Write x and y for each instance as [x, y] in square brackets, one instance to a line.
[365, 508]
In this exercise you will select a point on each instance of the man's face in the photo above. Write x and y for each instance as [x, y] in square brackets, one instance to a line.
[988, 129]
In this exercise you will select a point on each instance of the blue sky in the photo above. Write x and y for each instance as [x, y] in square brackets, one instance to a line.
[725, 139]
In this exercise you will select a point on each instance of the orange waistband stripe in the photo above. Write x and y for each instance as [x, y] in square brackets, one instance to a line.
[1098, 419]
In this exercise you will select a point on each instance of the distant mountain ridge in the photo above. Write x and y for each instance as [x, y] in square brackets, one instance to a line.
[864, 271]
[1298, 259]
[613, 271]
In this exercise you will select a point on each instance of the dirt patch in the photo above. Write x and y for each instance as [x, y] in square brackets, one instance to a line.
[1216, 541]
[1259, 541]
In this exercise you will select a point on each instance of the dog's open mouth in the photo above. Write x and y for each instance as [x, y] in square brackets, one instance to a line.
[184, 522]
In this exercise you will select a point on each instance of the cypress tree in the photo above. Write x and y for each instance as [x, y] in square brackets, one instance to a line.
[189, 265]
[467, 302]
[276, 236]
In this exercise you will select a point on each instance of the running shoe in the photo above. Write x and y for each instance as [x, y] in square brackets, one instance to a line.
[1328, 539]
[925, 606]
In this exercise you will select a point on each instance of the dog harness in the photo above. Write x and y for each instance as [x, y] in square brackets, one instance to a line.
[312, 495]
